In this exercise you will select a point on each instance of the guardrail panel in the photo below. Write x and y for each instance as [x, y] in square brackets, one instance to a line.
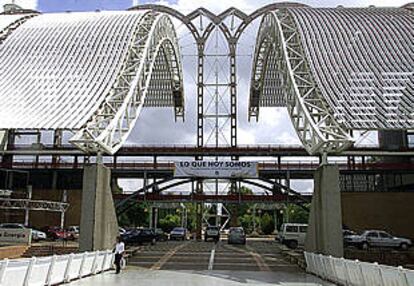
[99, 262]
[88, 264]
[53, 270]
[109, 261]
[75, 266]
[58, 274]
[40, 271]
[354, 272]
[15, 272]
[409, 277]
[391, 276]
[371, 274]
[329, 268]
[340, 270]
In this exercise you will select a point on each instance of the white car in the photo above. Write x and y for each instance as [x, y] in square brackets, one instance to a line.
[37, 235]
[74, 230]
[377, 238]
[293, 234]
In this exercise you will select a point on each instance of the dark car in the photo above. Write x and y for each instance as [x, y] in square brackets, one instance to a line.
[236, 236]
[139, 236]
[178, 233]
[160, 235]
[212, 232]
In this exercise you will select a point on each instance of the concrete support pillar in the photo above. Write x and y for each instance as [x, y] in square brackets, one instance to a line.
[325, 219]
[99, 226]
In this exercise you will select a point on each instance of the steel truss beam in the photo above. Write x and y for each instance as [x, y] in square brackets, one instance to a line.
[34, 205]
[279, 43]
[170, 182]
[111, 124]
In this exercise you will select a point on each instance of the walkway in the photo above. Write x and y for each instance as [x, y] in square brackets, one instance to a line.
[138, 276]
[207, 264]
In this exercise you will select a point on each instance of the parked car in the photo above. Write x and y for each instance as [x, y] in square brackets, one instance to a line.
[178, 233]
[74, 231]
[236, 236]
[160, 235]
[139, 236]
[377, 238]
[293, 234]
[56, 232]
[37, 235]
[212, 232]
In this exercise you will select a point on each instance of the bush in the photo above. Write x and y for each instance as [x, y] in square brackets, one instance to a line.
[169, 222]
[267, 224]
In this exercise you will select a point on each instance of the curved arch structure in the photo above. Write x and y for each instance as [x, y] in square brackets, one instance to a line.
[336, 70]
[89, 72]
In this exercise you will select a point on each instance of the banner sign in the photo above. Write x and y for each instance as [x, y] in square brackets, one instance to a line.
[16, 235]
[216, 169]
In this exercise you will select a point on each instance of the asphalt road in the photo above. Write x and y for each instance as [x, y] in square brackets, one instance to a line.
[199, 256]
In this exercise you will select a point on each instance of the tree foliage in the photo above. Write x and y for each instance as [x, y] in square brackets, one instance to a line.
[296, 213]
[267, 224]
[169, 222]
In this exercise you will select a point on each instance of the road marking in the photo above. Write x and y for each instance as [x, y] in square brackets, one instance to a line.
[260, 262]
[211, 261]
[167, 256]
[259, 259]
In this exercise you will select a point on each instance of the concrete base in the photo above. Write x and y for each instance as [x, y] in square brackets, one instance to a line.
[99, 225]
[325, 219]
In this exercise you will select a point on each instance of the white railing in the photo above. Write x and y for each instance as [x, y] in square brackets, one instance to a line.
[52, 270]
[357, 273]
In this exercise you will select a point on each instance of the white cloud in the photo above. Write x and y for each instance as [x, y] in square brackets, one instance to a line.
[26, 4]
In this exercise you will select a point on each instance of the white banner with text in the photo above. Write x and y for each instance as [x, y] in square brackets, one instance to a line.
[14, 235]
[216, 169]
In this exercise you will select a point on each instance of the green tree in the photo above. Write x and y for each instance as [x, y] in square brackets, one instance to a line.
[134, 216]
[169, 222]
[296, 213]
[267, 224]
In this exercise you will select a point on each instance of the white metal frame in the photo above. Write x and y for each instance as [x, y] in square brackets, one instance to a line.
[111, 124]
[34, 205]
[279, 46]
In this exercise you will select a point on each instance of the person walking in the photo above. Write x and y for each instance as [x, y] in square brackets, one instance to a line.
[119, 252]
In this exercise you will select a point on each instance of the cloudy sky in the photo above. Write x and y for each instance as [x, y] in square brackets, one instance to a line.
[274, 126]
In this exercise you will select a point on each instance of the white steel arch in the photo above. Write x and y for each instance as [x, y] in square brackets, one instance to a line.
[278, 53]
[88, 73]
[111, 124]
[336, 69]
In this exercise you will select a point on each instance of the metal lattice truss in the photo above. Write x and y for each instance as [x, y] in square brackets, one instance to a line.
[34, 205]
[279, 54]
[90, 73]
[154, 54]
[336, 70]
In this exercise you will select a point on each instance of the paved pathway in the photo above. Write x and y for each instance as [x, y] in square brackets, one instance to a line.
[192, 255]
[147, 277]
[207, 264]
